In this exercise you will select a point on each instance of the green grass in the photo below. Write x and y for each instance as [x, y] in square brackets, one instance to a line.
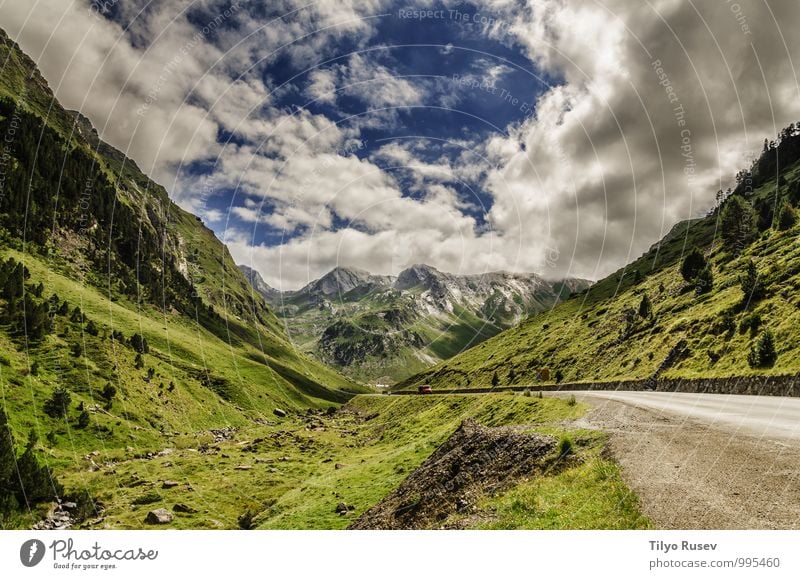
[591, 495]
[294, 482]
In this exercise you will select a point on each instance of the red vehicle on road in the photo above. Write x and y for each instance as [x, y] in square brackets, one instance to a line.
[424, 389]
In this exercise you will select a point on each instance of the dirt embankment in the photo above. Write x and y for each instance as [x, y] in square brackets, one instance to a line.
[692, 476]
[473, 462]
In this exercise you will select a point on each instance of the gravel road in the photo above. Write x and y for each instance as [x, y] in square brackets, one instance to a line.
[705, 461]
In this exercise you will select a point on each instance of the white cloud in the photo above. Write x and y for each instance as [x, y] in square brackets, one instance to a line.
[595, 177]
[599, 173]
[377, 86]
[322, 87]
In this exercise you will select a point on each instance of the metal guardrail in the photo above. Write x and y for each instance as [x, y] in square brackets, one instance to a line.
[778, 385]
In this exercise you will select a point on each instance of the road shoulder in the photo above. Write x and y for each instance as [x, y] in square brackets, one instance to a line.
[691, 476]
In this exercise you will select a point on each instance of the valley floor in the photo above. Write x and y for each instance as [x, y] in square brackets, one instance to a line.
[322, 470]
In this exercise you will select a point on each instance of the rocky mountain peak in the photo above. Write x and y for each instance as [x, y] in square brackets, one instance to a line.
[342, 280]
[418, 275]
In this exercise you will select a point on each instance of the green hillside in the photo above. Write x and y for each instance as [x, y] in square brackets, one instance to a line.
[688, 326]
[123, 320]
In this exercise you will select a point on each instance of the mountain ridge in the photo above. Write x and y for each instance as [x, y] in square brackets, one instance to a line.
[381, 327]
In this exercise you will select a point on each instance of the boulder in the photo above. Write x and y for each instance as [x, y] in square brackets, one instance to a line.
[279, 413]
[159, 517]
[170, 484]
[343, 508]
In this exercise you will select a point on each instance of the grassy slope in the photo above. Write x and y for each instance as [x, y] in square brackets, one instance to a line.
[227, 372]
[581, 336]
[376, 441]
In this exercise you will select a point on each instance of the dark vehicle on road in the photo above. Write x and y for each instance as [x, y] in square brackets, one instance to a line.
[424, 389]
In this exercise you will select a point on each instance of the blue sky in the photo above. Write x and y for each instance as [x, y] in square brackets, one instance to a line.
[520, 135]
[473, 86]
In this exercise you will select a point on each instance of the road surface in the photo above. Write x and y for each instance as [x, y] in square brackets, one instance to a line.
[763, 416]
[705, 461]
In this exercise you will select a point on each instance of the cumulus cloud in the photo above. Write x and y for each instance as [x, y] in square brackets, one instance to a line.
[654, 108]
[612, 159]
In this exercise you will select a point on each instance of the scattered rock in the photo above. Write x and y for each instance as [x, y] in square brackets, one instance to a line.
[243, 467]
[159, 517]
[279, 413]
[182, 508]
[338, 466]
[56, 519]
[223, 434]
[170, 484]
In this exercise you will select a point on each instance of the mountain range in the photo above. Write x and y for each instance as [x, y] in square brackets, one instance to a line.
[383, 328]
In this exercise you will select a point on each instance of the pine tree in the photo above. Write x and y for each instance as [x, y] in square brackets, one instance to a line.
[738, 224]
[763, 353]
[83, 419]
[751, 286]
[787, 217]
[139, 344]
[692, 265]
[495, 380]
[108, 392]
[8, 455]
[645, 307]
[705, 281]
[36, 483]
[91, 328]
[77, 316]
[57, 405]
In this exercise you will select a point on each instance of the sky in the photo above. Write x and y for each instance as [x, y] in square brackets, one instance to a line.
[561, 137]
